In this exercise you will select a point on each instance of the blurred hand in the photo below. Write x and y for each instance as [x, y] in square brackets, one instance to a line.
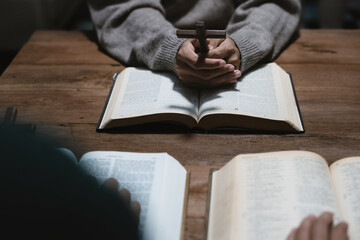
[206, 70]
[113, 184]
[319, 228]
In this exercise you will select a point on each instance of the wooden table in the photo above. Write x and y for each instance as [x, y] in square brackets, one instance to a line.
[60, 81]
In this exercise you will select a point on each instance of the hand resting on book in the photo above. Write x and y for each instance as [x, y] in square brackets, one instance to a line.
[319, 228]
[48, 196]
[219, 67]
[113, 184]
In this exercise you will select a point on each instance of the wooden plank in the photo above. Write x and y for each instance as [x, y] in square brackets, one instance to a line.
[67, 53]
[189, 148]
[63, 48]
[195, 229]
[56, 107]
[36, 78]
[344, 77]
[61, 36]
[325, 47]
[330, 77]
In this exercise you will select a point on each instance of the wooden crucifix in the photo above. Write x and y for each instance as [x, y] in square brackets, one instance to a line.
[201, 34]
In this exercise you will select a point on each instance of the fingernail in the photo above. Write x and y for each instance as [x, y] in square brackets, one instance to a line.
[237, 73]
[231, 68]
[222, 62]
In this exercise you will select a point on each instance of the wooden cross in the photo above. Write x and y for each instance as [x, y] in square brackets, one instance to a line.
[201, 34]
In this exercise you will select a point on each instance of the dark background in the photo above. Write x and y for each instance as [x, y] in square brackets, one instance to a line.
[20, 18]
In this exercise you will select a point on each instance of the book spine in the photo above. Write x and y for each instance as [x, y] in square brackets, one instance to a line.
[106, 103]
[297, 103]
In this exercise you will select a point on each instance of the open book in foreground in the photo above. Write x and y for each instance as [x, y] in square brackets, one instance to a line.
[156, 180]
[266, 195]
[263, 99]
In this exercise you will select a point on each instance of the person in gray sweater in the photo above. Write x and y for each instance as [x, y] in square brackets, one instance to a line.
[143, 33]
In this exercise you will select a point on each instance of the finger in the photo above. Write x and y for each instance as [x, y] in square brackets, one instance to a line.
[224, 79]
[136, 208]
[321, 226]
[339, 232]
[125, 194]
[207, 64]
[292, 234]
[187, 54]
[209, 74]
[186, 72]
[111, 183]
[224, 50]
[195, 43]
[187, 51]
[214, 42]
[218, 81]
[197, 62]
[304, 230]
[208, 43]
[201, 63]
[234, 60]
[210, 46]
[198, 47]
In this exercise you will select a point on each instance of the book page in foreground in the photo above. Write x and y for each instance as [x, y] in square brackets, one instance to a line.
[145, 92]
[170, 201]
[346, 178]
[143, 175]
[223, 220]
[254, 94]
[277, 190]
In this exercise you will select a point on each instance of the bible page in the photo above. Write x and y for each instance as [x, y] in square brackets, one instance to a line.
[254, 94]
[139, 92]
[279, 189]
[170, 201]
[346, 178]
[259, 93]
[224, 203]
[143, 175]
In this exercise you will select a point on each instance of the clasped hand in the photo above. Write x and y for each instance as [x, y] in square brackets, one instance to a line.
[219, 66]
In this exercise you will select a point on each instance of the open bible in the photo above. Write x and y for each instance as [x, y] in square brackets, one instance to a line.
[266, 195]
[263, 99]
[156, 180]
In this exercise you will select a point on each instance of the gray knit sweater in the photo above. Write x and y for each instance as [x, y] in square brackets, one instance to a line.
[142, 32]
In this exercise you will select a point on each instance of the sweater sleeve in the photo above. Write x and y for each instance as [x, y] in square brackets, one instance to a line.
[136, 32]
[262, 28]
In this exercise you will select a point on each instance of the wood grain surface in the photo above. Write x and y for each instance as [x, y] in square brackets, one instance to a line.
[60, 81]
